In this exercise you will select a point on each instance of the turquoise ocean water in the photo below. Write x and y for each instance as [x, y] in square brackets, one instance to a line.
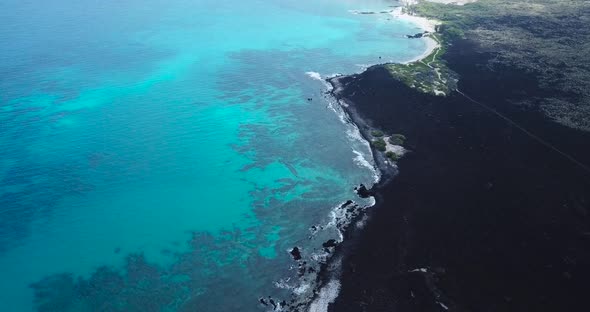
[164, 156]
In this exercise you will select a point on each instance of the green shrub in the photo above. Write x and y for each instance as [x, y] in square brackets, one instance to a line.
[380, 144]
[452, 32]
[392, 156]
[377, 133]
[397, 139]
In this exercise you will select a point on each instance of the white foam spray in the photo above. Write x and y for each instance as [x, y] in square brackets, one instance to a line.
[326, 296]
[314, 75]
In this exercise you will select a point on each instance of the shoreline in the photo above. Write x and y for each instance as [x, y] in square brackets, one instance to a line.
[329, 276]
[387, 171]
[428, 27]
[423, 23]
[481, 213]
[328, 287]
[431, 46]
[474, 219]
[328, 283]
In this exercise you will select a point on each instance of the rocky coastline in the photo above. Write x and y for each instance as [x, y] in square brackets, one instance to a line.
[489, 211]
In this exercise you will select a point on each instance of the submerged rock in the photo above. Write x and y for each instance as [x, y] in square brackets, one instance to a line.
[330, 243]
[272, 302]
[418, 35]
[347, 203]
[296, 253]
[363, 192]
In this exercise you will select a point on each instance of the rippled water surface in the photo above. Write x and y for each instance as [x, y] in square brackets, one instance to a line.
[164, 156]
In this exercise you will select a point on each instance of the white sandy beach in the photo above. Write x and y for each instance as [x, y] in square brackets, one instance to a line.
[431, 46]
[422, 23]
[455, 2]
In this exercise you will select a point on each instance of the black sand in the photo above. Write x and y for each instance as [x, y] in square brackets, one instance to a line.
[497, 220]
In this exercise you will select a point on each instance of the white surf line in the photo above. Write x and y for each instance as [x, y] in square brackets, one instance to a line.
[327, 295]
[538, 139]
[314, 75]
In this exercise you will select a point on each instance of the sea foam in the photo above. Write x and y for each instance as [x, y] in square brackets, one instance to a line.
[361, 161]
[314, 75]
[327, 295]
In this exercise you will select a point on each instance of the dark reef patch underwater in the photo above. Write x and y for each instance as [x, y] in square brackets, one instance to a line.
[153, 160]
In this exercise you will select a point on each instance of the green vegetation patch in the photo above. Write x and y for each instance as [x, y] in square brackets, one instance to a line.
[549, 39]
[380, 144]
[392, 156]
[397, 139]
[429, 75]
[377, 133]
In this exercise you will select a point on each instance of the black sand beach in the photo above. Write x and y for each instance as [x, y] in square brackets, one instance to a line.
[485, 214]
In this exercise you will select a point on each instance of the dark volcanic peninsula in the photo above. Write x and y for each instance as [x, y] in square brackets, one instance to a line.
[490, 208]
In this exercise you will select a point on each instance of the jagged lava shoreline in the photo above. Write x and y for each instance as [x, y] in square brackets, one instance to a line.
[489, 210]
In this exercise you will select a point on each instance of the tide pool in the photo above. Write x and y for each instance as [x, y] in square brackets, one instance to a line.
[164, 156]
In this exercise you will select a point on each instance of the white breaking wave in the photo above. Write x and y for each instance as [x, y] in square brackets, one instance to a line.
[363, 67]
[340, 217]
[326, 296]
[298, 289]
[355, 134]
[442, 305]
[317, 76]
[338, 111]
[337, 214]
[283, 284]
[320, 256]
[372, 201]
[314, 75]
[361, 161]
[301, 289]
[423, 270]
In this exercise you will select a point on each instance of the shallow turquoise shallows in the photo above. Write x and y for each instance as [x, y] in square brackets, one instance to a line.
[164, 155]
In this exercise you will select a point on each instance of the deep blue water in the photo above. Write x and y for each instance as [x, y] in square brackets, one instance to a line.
[162, 155]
